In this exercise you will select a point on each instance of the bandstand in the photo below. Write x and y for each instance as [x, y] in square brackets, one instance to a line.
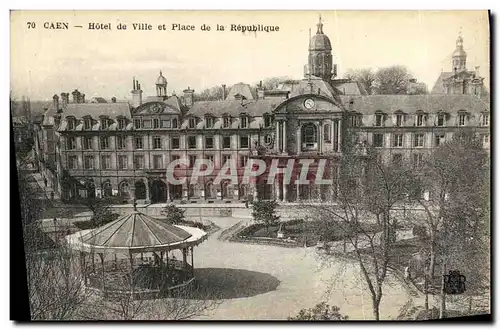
[136, 254]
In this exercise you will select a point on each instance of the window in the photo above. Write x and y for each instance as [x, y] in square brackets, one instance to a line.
[122, 162]
[156, 123]
[121, 123]
[209, 142]
[243, 160]
[418, 160]
[210, 158]
[420, 120]
[105, 162]
[485, 120]
[87, 143]
[268, 121]
[174, 123]
[439, 139]
[157, 161]
[268, 139]
[138, 162]
[485, 138]
[355, 120]
[378, 140]
[166, 123]
[225, 159]
[88, 163]
[175, 157]
[72, 162]
[227, 122]
[462, 120]
[71, 124]
[244, 122]
[146, 123]
[104, 142]
[309, 133]
[244, 142]
[138, 142]
[191, 142]
[71, 143]
[192, 160]
[87, 123]
[156, 142]
[419, 140]
[137, 123]
[440, 121]
[397, 140]
[192, 122]
[120, 142]
[397, 159]
[226, 142]
[175, 143]
[379, 119]
[399, 119]
[327, 133]
[209, 122]
[104, 123]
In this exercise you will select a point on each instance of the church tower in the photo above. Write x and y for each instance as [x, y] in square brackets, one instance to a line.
[320, 55]
[459, 56]
[161, 86]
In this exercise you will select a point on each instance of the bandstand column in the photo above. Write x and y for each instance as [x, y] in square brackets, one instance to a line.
[131, 273]
[277, 139]
[298, 190]
[103, 273]
[339, 135]
[148, 199]
[167, 192]
[192, 259]
[285, 192]
[298, 139]
[284, 136]
[184, 257]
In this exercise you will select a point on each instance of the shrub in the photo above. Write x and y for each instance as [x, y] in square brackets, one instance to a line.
[320, 312]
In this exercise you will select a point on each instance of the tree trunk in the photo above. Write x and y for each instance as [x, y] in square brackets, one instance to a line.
[442, 310]
[376, 308]
[426, 289]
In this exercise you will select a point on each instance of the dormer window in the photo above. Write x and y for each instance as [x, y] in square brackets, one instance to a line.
[440, 120]
[268, 120]
[104, 123]
[156, 123]
[121, 123]
[399, 119]
[71, 123]
[420, 119]
[227, 121]
[462, 119]
[174, 123]
[244, 121]
[87, 123]
[379, 119]
[485, 119]
[137, 123]
[209, 122]
[192, 122]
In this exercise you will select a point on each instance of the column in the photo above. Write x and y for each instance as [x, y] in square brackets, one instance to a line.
[167, 192]
[277, 136]
[285, 192]
[277, 191]
[298, 139]
[298, 190]
[339, 136]
[184, 258]
[320, 138]
[284, 136]
[148, 198]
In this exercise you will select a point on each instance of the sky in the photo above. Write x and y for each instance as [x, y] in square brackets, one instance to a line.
[103, 63]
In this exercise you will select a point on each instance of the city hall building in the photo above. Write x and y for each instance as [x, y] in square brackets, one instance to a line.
[110, 148]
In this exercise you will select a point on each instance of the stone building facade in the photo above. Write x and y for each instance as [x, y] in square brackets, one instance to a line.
[123, 148]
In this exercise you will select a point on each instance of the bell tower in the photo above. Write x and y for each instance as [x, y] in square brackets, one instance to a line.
[459, 58]
[320, 55]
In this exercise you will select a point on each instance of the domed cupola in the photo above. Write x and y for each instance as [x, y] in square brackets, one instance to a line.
[320, 55]
[161, 86]
[459, 57]
[320, 41]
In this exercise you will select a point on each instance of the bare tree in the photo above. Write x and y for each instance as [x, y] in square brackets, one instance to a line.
[54, 285]
[366, 77]
[392, 80]
[214, 93]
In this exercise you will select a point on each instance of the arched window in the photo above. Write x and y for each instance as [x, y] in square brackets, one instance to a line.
[309, 133]
[327, 133]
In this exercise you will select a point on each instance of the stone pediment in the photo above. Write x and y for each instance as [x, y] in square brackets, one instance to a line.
[309, 103]
[153, 108]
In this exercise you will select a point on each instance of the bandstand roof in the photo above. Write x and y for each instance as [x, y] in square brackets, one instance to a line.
[134, 233]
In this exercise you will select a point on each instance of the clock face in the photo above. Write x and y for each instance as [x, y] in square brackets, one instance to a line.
[309, 103]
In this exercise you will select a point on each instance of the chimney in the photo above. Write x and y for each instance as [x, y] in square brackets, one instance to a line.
[82, 98]
[136, 94]
[64, 102]
[113, 99]
[76, 96]
[55, 98]
[223, 92]
[260, 91]
[188, 97]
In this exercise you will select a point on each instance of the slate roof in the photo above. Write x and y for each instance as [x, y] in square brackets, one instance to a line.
[369, 104]
[438, 86]
[234, 107]
[349, 87]
[135, 230]
[112, 110]
[242, 89]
